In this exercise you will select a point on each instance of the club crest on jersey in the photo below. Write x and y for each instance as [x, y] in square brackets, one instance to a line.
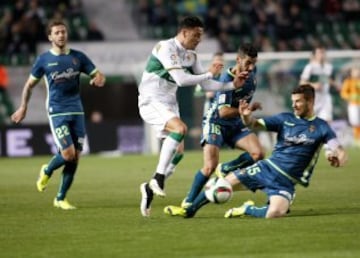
[311, 128]
[75, 61]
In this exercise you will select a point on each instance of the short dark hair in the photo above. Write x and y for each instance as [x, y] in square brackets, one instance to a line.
[306, 89]
[247, 49]
[54, 23]
[319, 46]
[190, 22]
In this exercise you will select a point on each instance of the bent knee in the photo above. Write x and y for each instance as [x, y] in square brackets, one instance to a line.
[276, 213]
[182, 129]
[208, 170]
[69, 154]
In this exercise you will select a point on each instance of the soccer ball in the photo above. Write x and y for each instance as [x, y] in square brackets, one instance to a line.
[218, 190]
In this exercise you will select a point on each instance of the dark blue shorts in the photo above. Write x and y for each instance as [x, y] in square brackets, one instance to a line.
[68, 130]
[262, 176]
[220, 135]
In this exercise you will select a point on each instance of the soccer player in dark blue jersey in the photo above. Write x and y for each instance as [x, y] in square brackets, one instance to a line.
[222, 125]
[61, 68]
[300, 136]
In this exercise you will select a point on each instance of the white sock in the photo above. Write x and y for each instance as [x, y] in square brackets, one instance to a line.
[170, 170]
[166, 154]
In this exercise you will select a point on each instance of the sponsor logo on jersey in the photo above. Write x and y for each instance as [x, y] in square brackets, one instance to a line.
[68, 74]
[53, 64]
[298, 139]
[75, 61]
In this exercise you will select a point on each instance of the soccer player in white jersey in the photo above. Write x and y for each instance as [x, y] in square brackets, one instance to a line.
[61, 68]
[173, 63]
[320, 75]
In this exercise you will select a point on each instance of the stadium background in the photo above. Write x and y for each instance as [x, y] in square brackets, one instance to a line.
[118, 36]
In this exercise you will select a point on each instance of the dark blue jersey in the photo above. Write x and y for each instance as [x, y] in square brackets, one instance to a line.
[298, 146]
[231, 98]
[62, 78]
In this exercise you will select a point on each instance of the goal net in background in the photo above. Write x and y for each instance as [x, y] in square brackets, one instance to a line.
[278, 74]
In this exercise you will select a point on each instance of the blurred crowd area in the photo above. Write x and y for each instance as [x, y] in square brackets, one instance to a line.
[23, 25]
[273, 25]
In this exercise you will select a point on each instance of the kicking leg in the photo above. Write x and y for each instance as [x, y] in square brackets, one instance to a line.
[254, 152]
[211, 158]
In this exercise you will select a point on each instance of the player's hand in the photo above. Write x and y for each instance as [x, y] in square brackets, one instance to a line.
[240, 78]
[18, 115]
[98, 80]
[244, 108]
[255, 106]
[334, 161]
[337, 158]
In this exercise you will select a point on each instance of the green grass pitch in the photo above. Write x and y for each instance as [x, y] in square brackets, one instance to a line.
[324, 219]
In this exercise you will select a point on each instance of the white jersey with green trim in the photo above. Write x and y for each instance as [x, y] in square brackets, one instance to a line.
[318, 73]
[156, 82]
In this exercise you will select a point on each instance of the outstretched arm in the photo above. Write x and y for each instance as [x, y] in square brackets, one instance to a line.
[238, 82]
[20, 113]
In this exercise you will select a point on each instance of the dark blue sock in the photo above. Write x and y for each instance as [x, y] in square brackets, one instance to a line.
[199, 181]
[258, 212]
[56, 162]
[67, 179]
[242, 161]
[199, 201]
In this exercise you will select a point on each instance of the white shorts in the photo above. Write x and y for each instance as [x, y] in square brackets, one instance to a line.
[354, 114]
[157, 114]
[323, 107]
